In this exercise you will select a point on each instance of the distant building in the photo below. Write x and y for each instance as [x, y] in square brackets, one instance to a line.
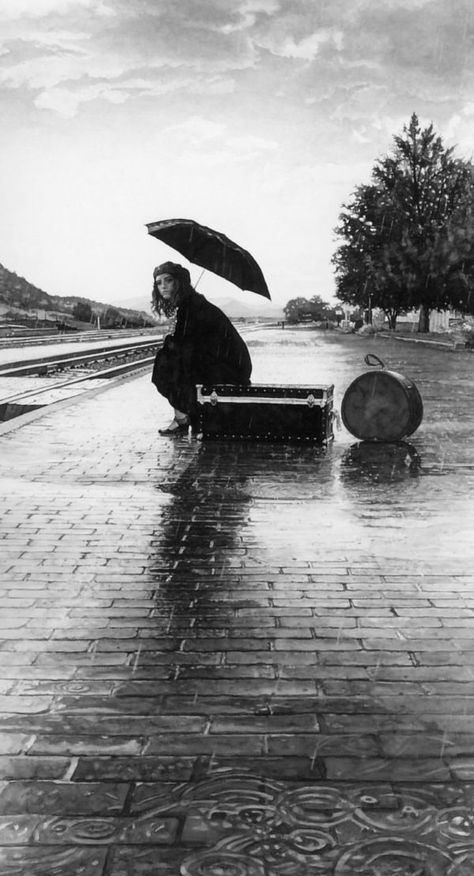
[408, 321]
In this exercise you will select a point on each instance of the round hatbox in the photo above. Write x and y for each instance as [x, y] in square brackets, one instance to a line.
[381, 405]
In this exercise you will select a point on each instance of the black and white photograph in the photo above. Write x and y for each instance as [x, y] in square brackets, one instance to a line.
[236, 438]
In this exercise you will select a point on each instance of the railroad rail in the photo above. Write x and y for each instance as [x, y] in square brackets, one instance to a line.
[18, 341]
[60, 361]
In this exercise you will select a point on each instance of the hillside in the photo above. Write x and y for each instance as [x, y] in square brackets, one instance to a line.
[23, 302]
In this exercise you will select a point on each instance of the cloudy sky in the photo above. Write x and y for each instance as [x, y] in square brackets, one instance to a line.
[255, 117]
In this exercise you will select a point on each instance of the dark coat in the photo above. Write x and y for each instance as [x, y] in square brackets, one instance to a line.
[205, 348]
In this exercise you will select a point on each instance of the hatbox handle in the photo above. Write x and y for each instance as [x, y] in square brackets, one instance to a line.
[369, 360]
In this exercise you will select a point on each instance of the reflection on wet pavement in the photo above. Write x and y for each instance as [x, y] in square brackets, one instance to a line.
[224, 658]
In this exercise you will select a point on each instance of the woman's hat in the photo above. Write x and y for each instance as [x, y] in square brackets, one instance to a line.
[174, 270]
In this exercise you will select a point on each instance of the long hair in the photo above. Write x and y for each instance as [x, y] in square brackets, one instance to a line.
[160, 305]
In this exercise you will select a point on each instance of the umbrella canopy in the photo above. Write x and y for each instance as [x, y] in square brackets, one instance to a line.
[211, 250]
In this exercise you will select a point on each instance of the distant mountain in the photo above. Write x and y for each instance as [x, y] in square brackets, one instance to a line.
[261, 307]
[232, 307]
[138, 302]
[22, 301]
[16, 292]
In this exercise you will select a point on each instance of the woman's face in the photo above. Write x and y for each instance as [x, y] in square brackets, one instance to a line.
[168, 287]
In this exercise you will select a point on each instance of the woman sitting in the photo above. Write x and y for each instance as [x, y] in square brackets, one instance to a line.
[204, 347]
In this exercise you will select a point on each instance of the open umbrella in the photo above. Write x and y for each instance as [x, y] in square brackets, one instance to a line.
[213, 251]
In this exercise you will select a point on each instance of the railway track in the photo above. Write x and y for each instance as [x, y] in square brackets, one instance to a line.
[81, 370]
[18, 342]
[121, 359]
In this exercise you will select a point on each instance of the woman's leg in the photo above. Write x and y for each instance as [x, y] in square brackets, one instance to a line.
[181, 417]
[168, 379]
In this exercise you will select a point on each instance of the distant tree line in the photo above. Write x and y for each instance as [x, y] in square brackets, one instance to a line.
[407, 237]
[110, 317]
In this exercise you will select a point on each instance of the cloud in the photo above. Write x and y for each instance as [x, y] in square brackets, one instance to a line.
[20, 9]
[250, 12]
[342, 62]
[198, 129]
[65, 102]
[49, 69]
[306, 48]
[209, 144]
[144, 50]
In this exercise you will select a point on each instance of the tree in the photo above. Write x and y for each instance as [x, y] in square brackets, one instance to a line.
[82, 311]
[321, 309]
[293, 308]
[299, 309]
[112, 318]
[409, 234]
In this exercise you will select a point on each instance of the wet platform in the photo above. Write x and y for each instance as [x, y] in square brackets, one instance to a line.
[248, 659]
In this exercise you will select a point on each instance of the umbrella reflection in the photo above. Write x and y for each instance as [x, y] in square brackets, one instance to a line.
[199, 540]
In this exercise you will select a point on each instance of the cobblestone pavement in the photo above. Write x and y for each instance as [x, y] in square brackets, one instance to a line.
[240, 659]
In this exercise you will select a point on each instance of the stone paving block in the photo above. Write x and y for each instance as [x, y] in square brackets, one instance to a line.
[45, 860]
[62, 798]
[215, 744]
[53, 687]
[89, 705]
[26, 633]
[80, 831]
[144, 861]
[125, 645]
[410, 645]
[427, 674]
[322, 745]
[462, 768]
[394, 770]
[373, 723]
[448, 722]
[13, 743]
[5, 686]
[319, 644]
[35, 646]
[72, 745]
[77, 661]
[266, 724]
[147, 660]
[26, 705]
[17, 831]
[287, 768]
[445, 744]
[27, 672]
[198, 831]
[30, 767]
[444, 658]
[255, 671]
[374, 688]
[133, 769]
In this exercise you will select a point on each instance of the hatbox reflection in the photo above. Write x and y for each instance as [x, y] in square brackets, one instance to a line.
[380, 462]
